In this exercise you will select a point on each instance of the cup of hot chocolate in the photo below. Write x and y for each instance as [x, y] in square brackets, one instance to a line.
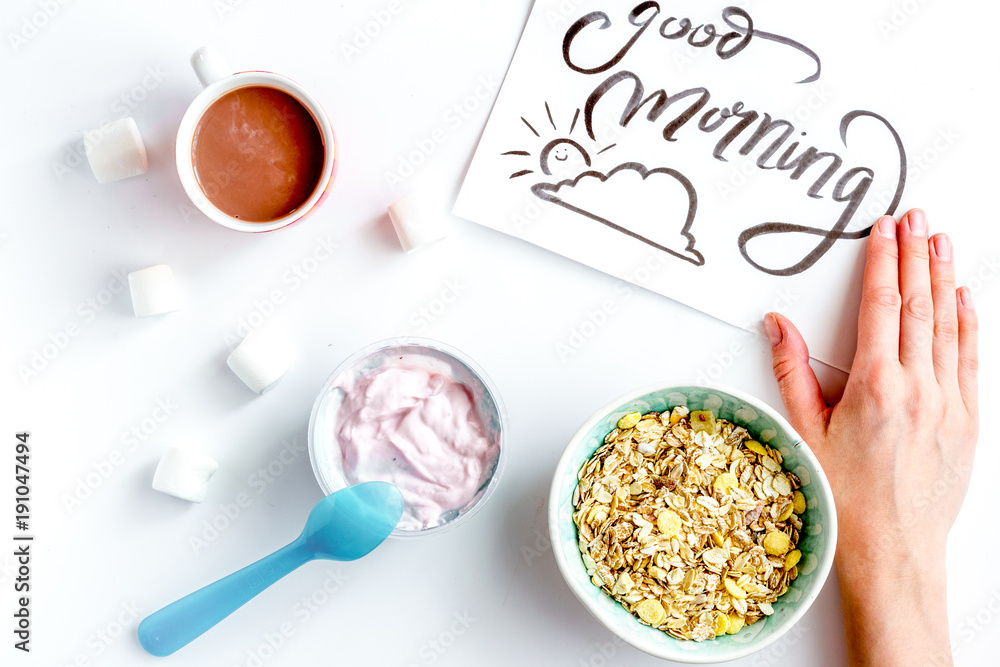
[255, 151]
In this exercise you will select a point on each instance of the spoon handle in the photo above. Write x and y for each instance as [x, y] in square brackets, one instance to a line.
[181, 622]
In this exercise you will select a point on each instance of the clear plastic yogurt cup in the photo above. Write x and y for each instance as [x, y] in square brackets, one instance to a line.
[324, 446]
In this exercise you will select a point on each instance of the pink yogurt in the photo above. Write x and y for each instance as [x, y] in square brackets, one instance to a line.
[410, 425]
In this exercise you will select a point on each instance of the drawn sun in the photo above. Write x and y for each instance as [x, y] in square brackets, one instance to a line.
[561, 157]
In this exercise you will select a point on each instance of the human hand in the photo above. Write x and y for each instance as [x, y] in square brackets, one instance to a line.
[899, 445]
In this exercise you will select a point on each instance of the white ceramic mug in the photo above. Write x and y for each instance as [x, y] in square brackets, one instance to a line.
[218, 80]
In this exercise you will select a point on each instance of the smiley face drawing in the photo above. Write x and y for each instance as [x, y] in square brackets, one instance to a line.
[562, 157]
[566, 156]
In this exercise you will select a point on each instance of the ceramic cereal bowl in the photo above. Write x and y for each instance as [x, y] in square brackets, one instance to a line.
[817, 541]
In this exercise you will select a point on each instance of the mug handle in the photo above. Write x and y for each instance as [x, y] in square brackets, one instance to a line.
[209, 65]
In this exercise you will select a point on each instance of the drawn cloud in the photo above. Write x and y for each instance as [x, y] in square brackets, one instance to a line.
[655, 206]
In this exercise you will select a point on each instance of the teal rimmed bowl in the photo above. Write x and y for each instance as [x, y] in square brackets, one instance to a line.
[818, 538]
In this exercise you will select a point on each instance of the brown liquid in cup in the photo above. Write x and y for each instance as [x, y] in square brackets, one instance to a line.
[258, 154]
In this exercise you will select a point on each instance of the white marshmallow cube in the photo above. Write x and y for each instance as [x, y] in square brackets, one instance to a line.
[417, 223]
[115, 151]
[154, 291]
[184, 473]
[262, 358]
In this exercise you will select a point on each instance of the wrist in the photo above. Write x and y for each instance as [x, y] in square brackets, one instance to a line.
[899, 587]
[899, 561]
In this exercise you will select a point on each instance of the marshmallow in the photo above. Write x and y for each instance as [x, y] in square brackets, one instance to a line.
[154, 291]
[115, 151]
[184, 474]
[417, 225]
[262, 358]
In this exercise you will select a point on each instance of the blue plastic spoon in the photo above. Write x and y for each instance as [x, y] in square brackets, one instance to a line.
[345, 525]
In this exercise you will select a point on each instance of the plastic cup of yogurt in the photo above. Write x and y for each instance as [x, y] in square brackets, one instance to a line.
[417, 413]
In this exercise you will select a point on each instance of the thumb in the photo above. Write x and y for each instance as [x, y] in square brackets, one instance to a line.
[800, 390]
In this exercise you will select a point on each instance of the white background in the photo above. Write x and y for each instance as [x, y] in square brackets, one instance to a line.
[487, 593]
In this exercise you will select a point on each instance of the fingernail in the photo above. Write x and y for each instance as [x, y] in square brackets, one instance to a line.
[965, 296]
[887, 227]
[917, 222]
[942, 247]
[772, 329]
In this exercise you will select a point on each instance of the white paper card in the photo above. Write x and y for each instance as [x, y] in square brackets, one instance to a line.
[730, 157]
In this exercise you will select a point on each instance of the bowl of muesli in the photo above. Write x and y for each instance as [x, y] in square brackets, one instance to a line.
[693, 522]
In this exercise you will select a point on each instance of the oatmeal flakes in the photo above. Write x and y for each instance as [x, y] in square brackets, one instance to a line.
[689, 523]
